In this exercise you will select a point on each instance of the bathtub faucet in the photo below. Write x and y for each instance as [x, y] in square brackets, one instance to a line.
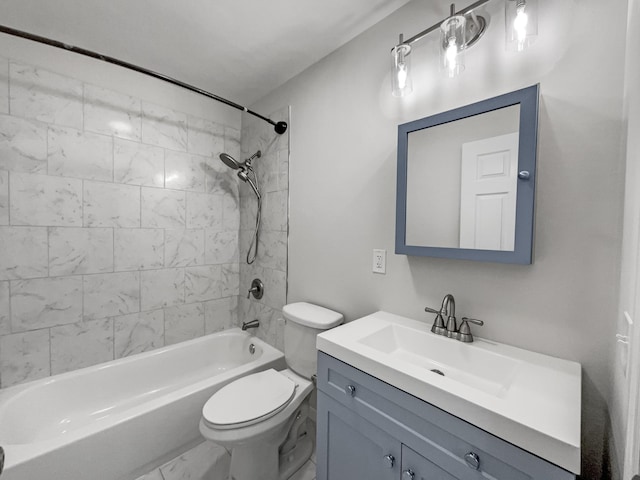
[252, 324]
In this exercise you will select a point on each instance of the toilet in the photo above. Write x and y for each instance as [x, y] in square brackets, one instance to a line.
[263, 418]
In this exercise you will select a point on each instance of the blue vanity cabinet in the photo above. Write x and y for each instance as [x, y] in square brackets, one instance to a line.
[370, 430]
[357, 448]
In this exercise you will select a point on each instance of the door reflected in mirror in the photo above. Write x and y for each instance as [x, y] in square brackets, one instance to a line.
[466, 171]
[466, 181]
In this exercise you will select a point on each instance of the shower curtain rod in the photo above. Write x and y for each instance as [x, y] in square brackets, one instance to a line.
[279, 127]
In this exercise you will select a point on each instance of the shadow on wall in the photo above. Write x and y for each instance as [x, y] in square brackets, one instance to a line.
[595, 429]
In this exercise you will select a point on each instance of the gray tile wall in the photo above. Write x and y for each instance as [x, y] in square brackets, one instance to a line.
[118, 225]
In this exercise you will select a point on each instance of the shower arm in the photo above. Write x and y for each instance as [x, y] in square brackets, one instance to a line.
[279, 127]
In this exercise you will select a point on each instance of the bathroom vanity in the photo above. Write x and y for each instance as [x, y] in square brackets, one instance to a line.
[383, 413]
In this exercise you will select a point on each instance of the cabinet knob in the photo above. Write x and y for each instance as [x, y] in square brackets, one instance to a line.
[472, 460]
[350, 390]
[389, 460]
[408, 474]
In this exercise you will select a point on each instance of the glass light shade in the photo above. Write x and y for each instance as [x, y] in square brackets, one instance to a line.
[401, 84]
[521, 23]
[452, 45]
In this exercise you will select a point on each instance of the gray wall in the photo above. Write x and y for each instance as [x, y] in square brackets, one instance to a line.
[343, 171]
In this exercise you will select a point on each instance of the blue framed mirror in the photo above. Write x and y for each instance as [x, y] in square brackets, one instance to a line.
[466, 181]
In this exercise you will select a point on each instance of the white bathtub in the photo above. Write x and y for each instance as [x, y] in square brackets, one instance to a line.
[121, 419]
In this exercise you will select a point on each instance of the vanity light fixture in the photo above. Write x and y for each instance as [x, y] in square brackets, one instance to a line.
[460, 31]
[521, 23]
[452, 43]
[401, 84]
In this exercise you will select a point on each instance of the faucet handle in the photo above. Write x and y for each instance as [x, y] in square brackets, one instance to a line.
[464, 332]
[438, 322]
[472, 320]
[257, 289]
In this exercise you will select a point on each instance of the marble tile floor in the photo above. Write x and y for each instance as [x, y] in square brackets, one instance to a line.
[211, 462]
[308, 470]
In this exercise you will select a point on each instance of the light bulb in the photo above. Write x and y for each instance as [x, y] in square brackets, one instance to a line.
[451, 57]
[401, 70]
[402, 75]
[520, 25]
[452, 38]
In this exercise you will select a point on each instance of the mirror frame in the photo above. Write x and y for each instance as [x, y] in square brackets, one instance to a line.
[527, 98]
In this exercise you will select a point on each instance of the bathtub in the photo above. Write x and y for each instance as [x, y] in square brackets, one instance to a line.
[121, 419]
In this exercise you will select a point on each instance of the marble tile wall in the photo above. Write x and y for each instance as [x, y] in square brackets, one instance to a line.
[118, 225]
[271, 263]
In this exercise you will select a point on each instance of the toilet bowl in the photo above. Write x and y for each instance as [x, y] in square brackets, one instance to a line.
[255, 425]
[263, 418]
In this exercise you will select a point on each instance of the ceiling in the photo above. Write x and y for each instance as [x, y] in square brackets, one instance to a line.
[238, 49]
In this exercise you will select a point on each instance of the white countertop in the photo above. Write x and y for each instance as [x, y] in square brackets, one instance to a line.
[537, 408]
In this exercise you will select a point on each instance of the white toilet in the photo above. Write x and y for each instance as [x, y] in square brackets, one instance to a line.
[262, 418]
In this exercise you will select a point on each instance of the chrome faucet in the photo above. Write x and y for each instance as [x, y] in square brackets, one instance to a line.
[252, 324]
[449, 309]
[451, 330]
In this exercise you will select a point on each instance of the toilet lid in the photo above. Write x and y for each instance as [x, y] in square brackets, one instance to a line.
[249, 400]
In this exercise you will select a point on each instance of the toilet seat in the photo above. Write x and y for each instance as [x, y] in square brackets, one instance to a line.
[249, 400]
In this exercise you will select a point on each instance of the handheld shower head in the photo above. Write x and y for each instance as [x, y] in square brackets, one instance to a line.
[244, 170]
[229, 161]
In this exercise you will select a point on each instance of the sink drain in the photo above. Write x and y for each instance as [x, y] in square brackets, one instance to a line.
[435, 370]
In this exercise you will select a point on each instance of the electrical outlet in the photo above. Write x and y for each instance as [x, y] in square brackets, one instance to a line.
[379, 261]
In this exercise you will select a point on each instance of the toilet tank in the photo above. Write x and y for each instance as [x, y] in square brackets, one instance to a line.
[303, 322]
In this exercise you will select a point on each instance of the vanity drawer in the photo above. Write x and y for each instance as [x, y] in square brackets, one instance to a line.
[442, 439]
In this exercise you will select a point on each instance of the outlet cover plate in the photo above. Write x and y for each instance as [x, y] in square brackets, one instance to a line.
[379, 261]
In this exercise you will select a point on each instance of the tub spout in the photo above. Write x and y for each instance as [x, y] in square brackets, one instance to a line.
[252, 324]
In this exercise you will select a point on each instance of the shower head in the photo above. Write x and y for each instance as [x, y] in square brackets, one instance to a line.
[229, 161]
[245, 170]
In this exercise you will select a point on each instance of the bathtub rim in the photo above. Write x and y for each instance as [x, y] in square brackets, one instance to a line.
[12, 390]
[18, 453]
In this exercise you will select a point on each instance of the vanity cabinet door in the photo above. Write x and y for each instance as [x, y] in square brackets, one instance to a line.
[350, 448]
[416, 467]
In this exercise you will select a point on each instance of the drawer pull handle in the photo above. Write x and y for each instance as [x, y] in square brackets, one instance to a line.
[408, 474]
[472, 460]
[390, 460]
[350, 390]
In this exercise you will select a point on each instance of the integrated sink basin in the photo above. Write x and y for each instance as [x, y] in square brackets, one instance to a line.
[528, 399]
[477, 368]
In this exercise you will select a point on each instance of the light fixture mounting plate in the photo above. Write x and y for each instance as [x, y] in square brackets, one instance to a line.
[475, 27]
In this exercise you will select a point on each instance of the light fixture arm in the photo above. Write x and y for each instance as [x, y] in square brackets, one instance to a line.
[436, 26]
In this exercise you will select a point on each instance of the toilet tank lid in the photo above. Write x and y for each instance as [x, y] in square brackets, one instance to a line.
[313, 316]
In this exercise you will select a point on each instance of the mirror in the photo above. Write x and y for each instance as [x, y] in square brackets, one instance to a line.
[466, 181]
